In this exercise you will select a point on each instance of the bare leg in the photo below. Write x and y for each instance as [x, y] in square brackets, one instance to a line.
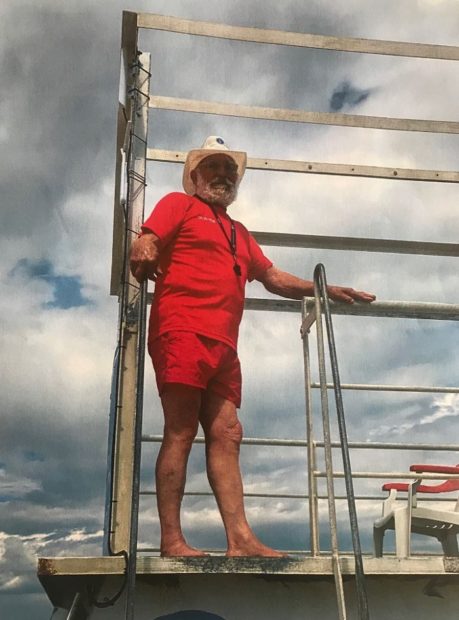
[181, 404]
[223, 438]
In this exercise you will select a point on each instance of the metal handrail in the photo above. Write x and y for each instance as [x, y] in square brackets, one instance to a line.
[302, 443]
[135, 501]
[302, 496]
[322, 303]
[327, 453]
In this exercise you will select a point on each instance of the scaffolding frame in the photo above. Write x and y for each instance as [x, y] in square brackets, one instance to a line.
[133, 152]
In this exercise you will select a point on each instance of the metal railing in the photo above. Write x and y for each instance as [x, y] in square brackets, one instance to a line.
[125, 429]
[377, 309]
[322, 306]
[312, 313]
[312, 445]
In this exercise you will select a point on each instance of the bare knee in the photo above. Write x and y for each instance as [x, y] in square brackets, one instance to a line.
[233, 431]
[228, 432]
[220, 421]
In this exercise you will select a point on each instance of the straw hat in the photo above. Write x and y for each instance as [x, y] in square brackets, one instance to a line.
[212, 145]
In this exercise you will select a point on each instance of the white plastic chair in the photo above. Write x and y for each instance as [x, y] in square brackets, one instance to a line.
[406, 516]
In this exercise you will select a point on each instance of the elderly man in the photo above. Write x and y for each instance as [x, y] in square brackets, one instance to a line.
[201, 259]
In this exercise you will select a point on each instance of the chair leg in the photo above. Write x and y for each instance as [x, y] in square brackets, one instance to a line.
[449, 545]
[402, 533]
[378, 538]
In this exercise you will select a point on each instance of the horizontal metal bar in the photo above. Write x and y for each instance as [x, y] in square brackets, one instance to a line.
[276, 305]
[262, 495]
[357, 244]
[221, 552]
[302, 496]
[251, 441]
[391, 388]
[301, 116]
[296, 39]
[350, 170]
[390, 475]
[302, 443]
[280, 305]
[381, 445]
[394, 309]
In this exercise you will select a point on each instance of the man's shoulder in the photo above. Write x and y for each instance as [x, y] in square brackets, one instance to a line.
[180, 200]
[241, 227]
[176, 198]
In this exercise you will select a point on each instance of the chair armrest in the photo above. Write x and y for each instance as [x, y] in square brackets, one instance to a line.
[435, 469]
[410, 487]
[443, 487]
[397, 486]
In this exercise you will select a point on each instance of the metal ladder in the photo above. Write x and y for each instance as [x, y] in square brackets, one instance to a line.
[130, 354]
[322, 308]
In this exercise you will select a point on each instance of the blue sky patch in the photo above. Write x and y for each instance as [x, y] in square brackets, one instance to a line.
[66, 289]
[30, 455]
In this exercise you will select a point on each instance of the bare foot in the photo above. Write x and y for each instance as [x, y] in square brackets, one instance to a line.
[254, 549]
[181, 550]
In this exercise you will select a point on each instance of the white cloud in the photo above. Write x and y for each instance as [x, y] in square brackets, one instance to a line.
[12, 486]
[58, 205]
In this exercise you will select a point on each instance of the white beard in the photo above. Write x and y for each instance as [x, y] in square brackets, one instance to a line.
[216, 193]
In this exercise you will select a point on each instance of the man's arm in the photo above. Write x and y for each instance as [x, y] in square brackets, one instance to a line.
[145, 256]
[287, 285]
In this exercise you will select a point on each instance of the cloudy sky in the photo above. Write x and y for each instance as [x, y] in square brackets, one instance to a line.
[60, 70]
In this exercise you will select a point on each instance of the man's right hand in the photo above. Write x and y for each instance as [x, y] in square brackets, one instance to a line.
[144, 257]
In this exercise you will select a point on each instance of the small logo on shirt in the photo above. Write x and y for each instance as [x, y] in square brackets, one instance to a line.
[206, 219]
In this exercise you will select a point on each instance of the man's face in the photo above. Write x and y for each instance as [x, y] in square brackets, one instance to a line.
[216, 179]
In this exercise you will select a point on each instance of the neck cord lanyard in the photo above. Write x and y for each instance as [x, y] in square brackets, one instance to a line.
[231, 240]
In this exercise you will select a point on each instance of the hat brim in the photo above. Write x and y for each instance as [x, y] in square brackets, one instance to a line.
[195, 157]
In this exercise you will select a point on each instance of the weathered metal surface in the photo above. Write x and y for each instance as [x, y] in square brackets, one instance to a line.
[395, 309]
[128, 56]
[308, 167]
[46, 567]
[296, 39]
[392, 388]
[361, 244]
[391, 474]
[130, 307]
[408, 310]
[302, 443]
[93, 565]
[322, 565]
[451, 565]
[302, 116]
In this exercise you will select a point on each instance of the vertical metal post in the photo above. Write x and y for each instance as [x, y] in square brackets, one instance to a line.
[131, 311]
[132, 564]
[74, 609]
[134, 320]
[328, 459]
[311, 449]
[320, 290]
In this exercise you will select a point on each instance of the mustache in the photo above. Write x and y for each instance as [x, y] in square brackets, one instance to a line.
[222, 181]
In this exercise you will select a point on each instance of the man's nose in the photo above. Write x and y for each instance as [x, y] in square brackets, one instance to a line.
[224, 171]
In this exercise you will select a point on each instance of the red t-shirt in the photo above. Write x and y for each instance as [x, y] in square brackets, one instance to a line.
[199, 290]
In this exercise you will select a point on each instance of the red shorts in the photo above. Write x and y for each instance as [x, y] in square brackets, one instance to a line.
[192, 359]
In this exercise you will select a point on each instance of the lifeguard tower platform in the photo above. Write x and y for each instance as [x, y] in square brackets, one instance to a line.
[321, 578]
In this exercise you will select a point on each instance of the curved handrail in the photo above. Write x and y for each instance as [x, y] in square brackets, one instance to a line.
[321, 293]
